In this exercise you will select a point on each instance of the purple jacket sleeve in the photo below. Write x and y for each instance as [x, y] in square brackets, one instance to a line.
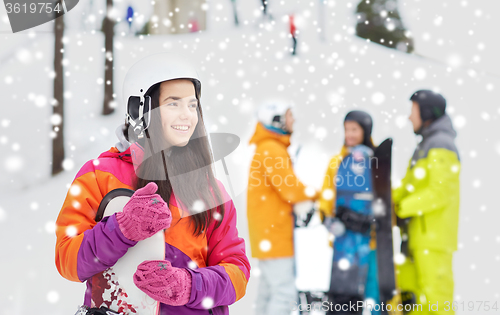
[211, 287]
[101, 248]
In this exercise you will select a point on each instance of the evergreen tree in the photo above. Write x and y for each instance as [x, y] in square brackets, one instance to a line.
[380, 22]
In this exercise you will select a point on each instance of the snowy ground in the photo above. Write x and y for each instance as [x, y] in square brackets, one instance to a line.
[240, 68]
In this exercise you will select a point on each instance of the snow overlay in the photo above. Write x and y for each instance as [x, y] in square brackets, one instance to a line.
[456, 54]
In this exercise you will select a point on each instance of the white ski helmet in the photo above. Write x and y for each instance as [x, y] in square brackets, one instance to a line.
[272, 113]
[142, 76]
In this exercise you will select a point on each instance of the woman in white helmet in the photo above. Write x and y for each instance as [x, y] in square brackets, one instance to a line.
[164, 155]
[273, 189]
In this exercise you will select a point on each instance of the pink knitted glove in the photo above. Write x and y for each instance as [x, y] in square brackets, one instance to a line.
[164, 283]
[144, 214]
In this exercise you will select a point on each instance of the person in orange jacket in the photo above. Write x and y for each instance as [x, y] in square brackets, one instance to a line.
[273, 189]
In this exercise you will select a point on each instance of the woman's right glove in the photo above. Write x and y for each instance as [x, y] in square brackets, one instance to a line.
[144, 215]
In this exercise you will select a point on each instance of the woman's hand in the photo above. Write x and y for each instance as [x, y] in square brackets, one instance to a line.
[144, 214]
[164, 283]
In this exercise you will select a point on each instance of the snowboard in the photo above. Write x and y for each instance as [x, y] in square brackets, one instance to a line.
[385, 220]
[351, 245]
[121, 294]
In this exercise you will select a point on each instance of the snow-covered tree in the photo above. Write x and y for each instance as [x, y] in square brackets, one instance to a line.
[380, 22]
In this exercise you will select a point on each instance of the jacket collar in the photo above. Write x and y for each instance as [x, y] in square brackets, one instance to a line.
[262, 133]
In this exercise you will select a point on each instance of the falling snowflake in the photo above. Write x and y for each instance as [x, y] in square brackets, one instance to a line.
[454, 60]
[399, 259]
[56, 119]
[14, 164]
[3, 215]
[52, 297]
[50, 227]
[310, 191]
[71, 231]
[459, 122]
[419, 173]
[438, 21]
[410, 188]
[207, 303]
[378, 98]
[24, 56]
[401, 121]
[265, 245]
[198, 206]
[5, 123]
[40, 101]
[320, 133]
[378, 207]
[420, 74]
[344, 264]
[68, 164]
[328, 194]
[192, 265]
[217, 216]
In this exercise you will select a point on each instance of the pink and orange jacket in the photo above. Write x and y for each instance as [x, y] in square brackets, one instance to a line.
[85, 248]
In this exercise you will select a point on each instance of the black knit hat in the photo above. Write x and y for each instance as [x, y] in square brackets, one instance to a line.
[365, 121]
[432, 105]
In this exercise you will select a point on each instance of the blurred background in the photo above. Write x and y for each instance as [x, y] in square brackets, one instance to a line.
[62, 82]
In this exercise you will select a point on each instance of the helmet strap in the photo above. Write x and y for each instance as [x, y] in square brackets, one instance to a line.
[140, 123]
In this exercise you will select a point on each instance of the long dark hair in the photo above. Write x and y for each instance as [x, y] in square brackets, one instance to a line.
[164, 166]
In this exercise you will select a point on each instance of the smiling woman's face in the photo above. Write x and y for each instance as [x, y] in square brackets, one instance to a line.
[178, 110]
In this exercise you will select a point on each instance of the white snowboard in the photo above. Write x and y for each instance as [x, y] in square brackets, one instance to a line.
[313, 257]
[124, 295]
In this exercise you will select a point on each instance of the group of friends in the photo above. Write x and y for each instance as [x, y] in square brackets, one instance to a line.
[426, 202]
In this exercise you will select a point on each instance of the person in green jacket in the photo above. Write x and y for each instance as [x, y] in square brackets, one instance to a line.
[428, 201]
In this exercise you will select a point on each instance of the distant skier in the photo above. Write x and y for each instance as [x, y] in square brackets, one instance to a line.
[235, 13]
[264, 7]
[130, 18]
[194, 26]
[293, 33]
[358, 129]
[429, 198]
[273, 189]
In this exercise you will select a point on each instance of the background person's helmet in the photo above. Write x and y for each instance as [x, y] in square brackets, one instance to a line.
[365, 121]
[143, 75]
[272, 113]
[432, 105]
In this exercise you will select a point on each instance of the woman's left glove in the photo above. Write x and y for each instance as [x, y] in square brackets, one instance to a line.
[164, 283]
